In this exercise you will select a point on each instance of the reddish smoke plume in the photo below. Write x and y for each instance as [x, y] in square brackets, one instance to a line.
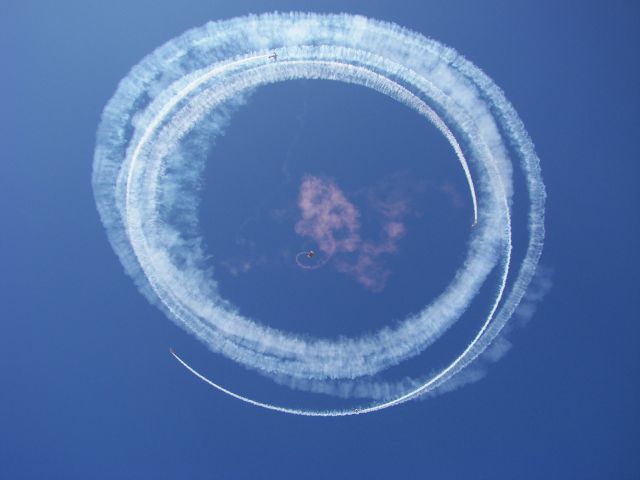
[334, 224]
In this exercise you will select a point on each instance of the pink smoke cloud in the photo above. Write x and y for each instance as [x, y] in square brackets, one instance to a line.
[334, 224]
[327, 216]
[394, 229]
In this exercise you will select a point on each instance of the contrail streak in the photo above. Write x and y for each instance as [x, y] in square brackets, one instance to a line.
[154, 138]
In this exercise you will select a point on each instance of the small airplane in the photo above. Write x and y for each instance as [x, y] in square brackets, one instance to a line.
[311, 254]
[274, 55]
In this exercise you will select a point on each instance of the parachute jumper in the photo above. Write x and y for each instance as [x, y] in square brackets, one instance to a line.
[308, 259]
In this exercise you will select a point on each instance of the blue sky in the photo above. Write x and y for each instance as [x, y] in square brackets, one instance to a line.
[89, 387]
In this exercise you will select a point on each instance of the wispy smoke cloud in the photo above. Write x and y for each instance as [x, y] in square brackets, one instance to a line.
[333, 223]
[328, 217]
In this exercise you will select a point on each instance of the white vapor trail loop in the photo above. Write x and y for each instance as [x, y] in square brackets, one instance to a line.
[152, 144]
[300, 256]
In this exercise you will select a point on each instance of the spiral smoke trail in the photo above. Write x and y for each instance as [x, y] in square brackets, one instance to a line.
[149, 159]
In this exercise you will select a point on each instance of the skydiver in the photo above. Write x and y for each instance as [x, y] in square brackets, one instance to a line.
[311, 254]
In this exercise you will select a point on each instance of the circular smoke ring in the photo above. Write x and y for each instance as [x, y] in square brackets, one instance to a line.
[174, 91]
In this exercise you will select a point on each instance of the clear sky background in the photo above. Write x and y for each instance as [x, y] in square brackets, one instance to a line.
[88, 387]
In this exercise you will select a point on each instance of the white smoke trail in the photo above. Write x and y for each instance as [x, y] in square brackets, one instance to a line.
[148, 157]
